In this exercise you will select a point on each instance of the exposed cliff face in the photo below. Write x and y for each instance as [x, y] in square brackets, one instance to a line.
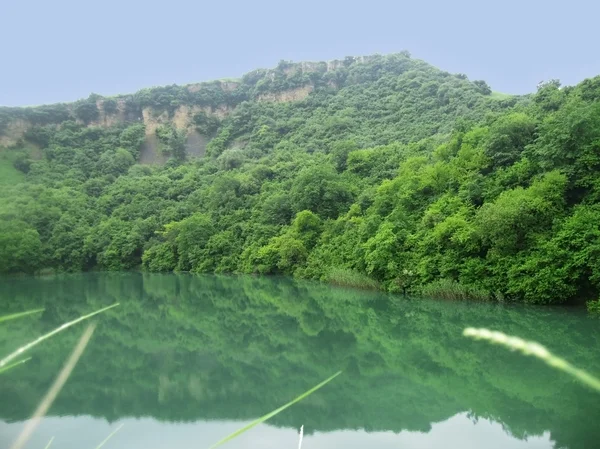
[181, 118]
[177, 106]
[108, 119]
[296, 94]
[13, 131]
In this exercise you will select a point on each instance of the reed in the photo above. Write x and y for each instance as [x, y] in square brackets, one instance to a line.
[14, 316]
[54, 389]
[301, 435]
[452, 290]
[274, 412]
[14, 365]
[9, 358]
[110, 436]
[536, 350]
[350, 278]
[49, 443]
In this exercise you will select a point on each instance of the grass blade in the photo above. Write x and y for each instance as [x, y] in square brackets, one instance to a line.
[13, 365]
[300, 437]
[534, 349]
[14, 316]
[274, 412]
[30, 345]
[49, 443]
[55, 388]
[110, 436]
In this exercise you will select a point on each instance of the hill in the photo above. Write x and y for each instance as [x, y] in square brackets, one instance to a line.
[358, 96]
[379, 168]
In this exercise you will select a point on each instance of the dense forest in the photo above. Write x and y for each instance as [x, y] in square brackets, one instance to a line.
[388, 173]
[192, 347]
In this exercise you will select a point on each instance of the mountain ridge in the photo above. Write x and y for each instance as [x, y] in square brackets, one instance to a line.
[177, 104]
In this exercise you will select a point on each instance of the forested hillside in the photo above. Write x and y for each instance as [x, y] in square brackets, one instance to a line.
[376, 171]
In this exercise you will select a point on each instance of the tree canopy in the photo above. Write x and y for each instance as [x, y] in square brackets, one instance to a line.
[381, 167]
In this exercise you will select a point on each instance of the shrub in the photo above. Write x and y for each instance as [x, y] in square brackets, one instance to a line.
[593, 306]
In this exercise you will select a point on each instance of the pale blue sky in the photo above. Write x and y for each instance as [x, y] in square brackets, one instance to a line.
[62, 50]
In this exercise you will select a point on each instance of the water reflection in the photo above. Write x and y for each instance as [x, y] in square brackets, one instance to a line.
[193, 356]
[80, 432]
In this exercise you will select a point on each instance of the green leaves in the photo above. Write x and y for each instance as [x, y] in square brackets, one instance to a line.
[374, 165]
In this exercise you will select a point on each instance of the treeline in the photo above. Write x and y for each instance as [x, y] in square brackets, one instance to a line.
[408, 176]
[384, 76]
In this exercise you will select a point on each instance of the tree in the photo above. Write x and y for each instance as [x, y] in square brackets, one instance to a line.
[190, 237]
[87, 110]
[483, 87]
[513, 221]
[20, 248]
[507, 138]
[322, 191]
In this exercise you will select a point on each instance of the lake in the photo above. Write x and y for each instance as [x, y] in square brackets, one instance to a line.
[185, 360]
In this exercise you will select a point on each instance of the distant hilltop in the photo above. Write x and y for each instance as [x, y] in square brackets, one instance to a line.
[198, 110]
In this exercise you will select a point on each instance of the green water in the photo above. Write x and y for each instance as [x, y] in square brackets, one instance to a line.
[185, 360]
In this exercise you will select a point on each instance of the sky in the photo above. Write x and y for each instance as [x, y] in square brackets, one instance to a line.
[63, 50]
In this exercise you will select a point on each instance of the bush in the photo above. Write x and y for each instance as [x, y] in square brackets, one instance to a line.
[86, 111]
[22, 163]
[593, 306]
[109, 105]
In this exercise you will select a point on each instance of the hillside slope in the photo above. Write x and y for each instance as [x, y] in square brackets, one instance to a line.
[369, 171]
[378, 98]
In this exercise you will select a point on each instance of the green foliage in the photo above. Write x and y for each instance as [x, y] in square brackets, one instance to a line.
[350, 278]
[593, 306]
[206, 124]
[452, 290]
[87, 110]
[380, 167]
[508, 137]
[483, 87]
[20, 247]
[322, 191]
[109, 105]
[11, 172]
[172, 141]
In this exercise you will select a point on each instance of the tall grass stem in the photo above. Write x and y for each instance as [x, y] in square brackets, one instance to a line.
[14, 365]
[49, 443]
[274, 412]
[37, 341]
[110, 436]
[536, 350]
[55, 388]
[14, 316]
[301, 436]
